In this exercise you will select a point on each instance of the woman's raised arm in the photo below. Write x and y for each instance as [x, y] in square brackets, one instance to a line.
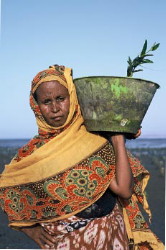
[122, 184]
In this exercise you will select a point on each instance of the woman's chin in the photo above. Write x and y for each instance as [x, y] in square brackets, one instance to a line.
[56, 124]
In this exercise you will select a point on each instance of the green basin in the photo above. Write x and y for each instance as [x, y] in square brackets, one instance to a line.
[115, 104]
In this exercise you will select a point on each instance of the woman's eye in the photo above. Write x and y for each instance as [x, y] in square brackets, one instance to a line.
[60, 98]
[46, 102]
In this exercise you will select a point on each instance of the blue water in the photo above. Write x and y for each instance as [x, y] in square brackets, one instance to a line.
[13, 143]
[146, 143]
[138, 143]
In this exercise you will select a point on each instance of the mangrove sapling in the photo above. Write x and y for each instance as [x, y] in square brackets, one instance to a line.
[140, 59]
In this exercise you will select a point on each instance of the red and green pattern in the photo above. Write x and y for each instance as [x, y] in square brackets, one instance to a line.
[51, 198]
[56, 70]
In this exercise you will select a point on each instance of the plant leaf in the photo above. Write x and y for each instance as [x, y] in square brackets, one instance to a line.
[129, 61]
[155, 46]
[148, 55]
[144, 48]
[137, 61]
[147, 61]
[140, 59]
[137, 70]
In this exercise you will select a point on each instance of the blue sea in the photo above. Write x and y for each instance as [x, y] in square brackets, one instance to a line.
[138, 143]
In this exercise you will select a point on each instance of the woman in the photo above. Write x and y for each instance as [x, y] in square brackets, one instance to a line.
[71, 189]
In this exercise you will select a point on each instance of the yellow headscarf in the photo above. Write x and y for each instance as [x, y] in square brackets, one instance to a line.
[64, 77]
[65, 140]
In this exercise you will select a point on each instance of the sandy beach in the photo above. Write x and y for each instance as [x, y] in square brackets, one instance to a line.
[153, 160]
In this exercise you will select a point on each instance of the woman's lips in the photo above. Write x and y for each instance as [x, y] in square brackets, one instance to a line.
[57, 118]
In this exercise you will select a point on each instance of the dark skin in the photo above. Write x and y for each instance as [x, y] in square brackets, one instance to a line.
[40, 236]
[54, 103]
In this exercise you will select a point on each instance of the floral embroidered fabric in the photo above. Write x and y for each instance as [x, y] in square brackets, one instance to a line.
[51, 197]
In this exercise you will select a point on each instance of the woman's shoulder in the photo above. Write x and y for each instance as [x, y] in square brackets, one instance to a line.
[27, 149]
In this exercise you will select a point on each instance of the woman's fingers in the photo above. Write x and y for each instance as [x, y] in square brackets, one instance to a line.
[45, 243]
[40, 236]
[46, 246]
[48, 236]
[138, 133]
[133, 136]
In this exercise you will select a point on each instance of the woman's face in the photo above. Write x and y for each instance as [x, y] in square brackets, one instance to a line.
[54, 102]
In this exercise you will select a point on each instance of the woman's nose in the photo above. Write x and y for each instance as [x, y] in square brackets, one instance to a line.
[55, 107]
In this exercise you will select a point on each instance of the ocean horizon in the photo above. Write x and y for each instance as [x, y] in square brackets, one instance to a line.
[138, 143]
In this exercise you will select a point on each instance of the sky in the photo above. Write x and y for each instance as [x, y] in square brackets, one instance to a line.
[94, 37]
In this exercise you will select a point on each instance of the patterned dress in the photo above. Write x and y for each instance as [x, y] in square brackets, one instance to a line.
[105, 233]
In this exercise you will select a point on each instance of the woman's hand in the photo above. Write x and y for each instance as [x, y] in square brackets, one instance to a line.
[40, 236]
[137, 134]
[133, 136]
